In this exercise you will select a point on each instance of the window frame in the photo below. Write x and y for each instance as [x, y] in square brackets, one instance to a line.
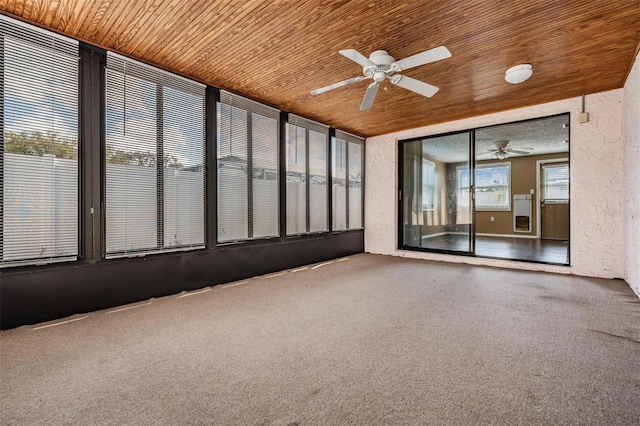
[67, 50]
[251, 108]
[309, 126]
[426, 185]
[494, 207]
[348, 139]
[555, 165]
[160, 80]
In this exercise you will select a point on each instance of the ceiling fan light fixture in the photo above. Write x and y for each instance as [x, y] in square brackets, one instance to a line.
[518, 73]
[380, 66]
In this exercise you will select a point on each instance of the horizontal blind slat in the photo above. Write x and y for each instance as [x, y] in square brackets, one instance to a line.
[40, 140]
[248, 165]
[155, 159]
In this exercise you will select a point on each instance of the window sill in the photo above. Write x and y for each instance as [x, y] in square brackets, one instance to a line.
[492, 209]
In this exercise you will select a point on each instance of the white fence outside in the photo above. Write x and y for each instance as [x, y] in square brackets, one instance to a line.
[40, 211]
[40, 208]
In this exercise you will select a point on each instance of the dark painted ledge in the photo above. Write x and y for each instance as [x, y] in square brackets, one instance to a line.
[43, 293]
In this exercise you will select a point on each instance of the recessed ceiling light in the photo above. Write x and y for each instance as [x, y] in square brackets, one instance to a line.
[518, 73]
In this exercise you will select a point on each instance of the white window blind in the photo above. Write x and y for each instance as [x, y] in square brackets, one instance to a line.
[555, 183]
[347, 178]
[296, 142]
[338, 184]
[306, 148]
[354, 150]
[38, 145]
[318, 191]
[154, 159]
[428, 183]
[248, 134]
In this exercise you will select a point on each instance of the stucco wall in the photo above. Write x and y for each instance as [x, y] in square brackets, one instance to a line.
[597, 186]
[631, 126]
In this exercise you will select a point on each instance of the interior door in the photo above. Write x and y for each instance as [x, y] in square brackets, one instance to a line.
[554, 202]
[437, 195]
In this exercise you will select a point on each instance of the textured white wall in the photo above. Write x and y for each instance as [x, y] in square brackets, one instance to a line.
[597, 186]
[631, 127]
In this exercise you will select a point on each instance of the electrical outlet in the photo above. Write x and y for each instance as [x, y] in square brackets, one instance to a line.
[492, 218]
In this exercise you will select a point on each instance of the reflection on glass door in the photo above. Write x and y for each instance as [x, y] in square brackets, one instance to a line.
[509, 201]
[554, 200]
[436, 196]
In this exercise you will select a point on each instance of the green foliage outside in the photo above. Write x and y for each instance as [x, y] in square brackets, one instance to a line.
[40, 143]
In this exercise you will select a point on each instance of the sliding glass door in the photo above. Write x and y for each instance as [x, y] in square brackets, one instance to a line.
[500, 191]
[436, 193]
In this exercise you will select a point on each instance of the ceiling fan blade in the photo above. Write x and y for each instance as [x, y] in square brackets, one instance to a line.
[518, 151]
[357, 57]
[426, 57]
[338, 84]
[369, 97]
[417, 86]
[493, 151]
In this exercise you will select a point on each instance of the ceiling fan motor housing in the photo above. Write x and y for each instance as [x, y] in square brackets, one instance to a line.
[381, 57]
[382, 69]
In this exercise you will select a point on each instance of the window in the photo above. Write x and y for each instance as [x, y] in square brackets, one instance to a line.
[354, 176]
[248, 135]
[555, 183]
[154, 152]
[346, 167]
[492, 184]
[38, 145]
[339, 184]
[318, 182]
[306, 153]
[428, 183]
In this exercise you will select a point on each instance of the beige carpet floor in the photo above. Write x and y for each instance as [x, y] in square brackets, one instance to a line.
[361, 340]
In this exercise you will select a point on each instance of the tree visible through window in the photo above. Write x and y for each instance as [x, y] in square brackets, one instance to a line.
[39, 145]
[154, 159]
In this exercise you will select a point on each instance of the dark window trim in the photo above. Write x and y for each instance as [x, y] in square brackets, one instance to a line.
[212, 97]
[92, 170]
[91, 151]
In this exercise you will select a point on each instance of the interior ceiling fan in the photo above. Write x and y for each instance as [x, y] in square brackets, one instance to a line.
[502, 151]
[380, 66]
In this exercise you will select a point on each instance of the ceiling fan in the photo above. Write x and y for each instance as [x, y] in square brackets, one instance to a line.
[502, 151]
[380, 66]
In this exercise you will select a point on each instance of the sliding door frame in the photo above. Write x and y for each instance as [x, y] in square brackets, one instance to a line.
[472, 166]
[401, 164]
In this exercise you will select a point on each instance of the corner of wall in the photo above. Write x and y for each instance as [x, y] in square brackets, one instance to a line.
[631, 134]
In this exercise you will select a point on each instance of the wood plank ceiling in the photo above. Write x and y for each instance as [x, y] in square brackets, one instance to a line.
[277, 51]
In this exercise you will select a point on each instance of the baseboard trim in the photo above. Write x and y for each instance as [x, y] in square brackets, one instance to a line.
[533, 237]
